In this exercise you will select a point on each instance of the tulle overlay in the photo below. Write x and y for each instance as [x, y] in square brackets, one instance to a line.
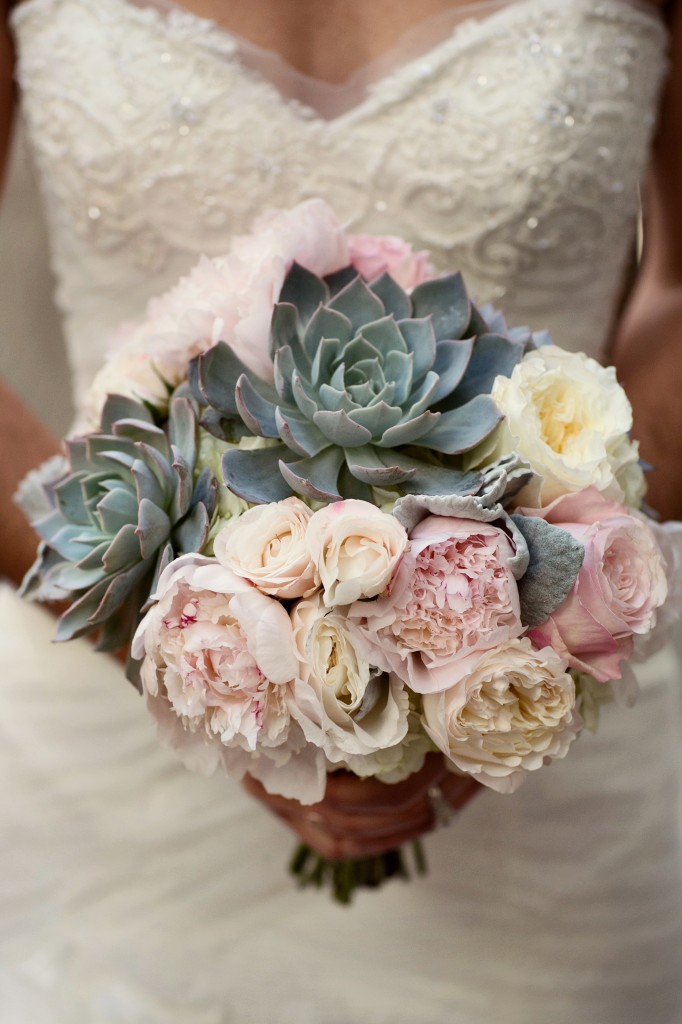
[134, 890]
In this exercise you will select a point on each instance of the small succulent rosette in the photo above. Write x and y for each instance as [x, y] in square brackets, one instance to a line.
[341, 518]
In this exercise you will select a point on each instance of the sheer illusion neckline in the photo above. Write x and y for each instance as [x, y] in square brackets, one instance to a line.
[428, 43]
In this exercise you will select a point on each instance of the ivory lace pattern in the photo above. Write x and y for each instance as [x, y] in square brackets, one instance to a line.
[512, 150]
[132, 891]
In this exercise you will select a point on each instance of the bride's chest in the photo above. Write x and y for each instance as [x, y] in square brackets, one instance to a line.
[149, 127]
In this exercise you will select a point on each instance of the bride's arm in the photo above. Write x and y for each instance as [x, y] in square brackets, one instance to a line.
[648, 347]
[24, 440]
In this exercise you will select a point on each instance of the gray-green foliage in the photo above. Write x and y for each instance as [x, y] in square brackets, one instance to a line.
[555, 559]
[127, 504]
[372, 387]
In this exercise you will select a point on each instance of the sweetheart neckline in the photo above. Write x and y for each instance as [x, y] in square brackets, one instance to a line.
[169, 13]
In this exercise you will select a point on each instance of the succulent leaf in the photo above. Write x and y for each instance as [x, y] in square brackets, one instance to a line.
[358, 303]
[492, 356]
[365, 376]
[300, 435]
[394, 299]
[460, 430]
[127, 495]
[445, 300]
[304, 291]
[257, 412]
[315, 478]
[255, 476]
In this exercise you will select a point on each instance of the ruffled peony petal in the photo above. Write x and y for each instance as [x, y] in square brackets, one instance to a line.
[267, 628]
[511, 715]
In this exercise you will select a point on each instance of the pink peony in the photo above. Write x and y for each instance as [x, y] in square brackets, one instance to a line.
[453, 598]
[218, 664]
[373, 255]
[223, 299]
[619, 587]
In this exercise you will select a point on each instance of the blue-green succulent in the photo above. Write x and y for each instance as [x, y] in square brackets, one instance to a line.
[372, 387]
[127, 503]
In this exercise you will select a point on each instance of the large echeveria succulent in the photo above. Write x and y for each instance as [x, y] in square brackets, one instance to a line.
[127, 504]
[372, 387]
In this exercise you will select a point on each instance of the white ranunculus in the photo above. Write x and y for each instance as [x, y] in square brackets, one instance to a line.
[570, 418]
[267, 545]
[512, 714]
[356, 549]
[342, 704]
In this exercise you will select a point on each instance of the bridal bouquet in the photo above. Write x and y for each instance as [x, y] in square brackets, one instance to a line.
[340, 517]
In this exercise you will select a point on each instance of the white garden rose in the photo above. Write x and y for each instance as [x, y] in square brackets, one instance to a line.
[356, 549]
[267, 545]
[343, 704]
[513, 713]
[570, 418]
[134, 374]
[629, 472]
[398, 762]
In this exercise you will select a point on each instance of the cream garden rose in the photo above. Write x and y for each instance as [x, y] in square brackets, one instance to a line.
[342, 703]
[570, 418]
[267, 545]
[513, 712]
[398, 762]
[356, 549]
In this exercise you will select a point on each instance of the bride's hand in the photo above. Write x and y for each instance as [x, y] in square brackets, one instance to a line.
[363, 817]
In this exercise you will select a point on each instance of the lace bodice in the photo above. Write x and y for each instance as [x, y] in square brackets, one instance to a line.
[511, 150]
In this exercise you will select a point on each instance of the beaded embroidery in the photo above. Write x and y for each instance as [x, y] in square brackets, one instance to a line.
[512, 151]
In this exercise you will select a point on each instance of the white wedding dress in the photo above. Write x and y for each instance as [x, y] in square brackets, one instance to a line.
[132, 891]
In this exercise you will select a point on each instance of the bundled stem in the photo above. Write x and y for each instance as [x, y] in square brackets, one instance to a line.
[344, 877]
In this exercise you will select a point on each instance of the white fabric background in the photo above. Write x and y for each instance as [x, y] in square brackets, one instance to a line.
[32, 355]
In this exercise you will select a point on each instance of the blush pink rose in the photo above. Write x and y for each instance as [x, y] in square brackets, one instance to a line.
[453, 598]
[355, 548]
[267, 546]
[619, 587]
[373, 255]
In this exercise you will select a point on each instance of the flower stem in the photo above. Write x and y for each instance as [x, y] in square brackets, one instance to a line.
[343, 878]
